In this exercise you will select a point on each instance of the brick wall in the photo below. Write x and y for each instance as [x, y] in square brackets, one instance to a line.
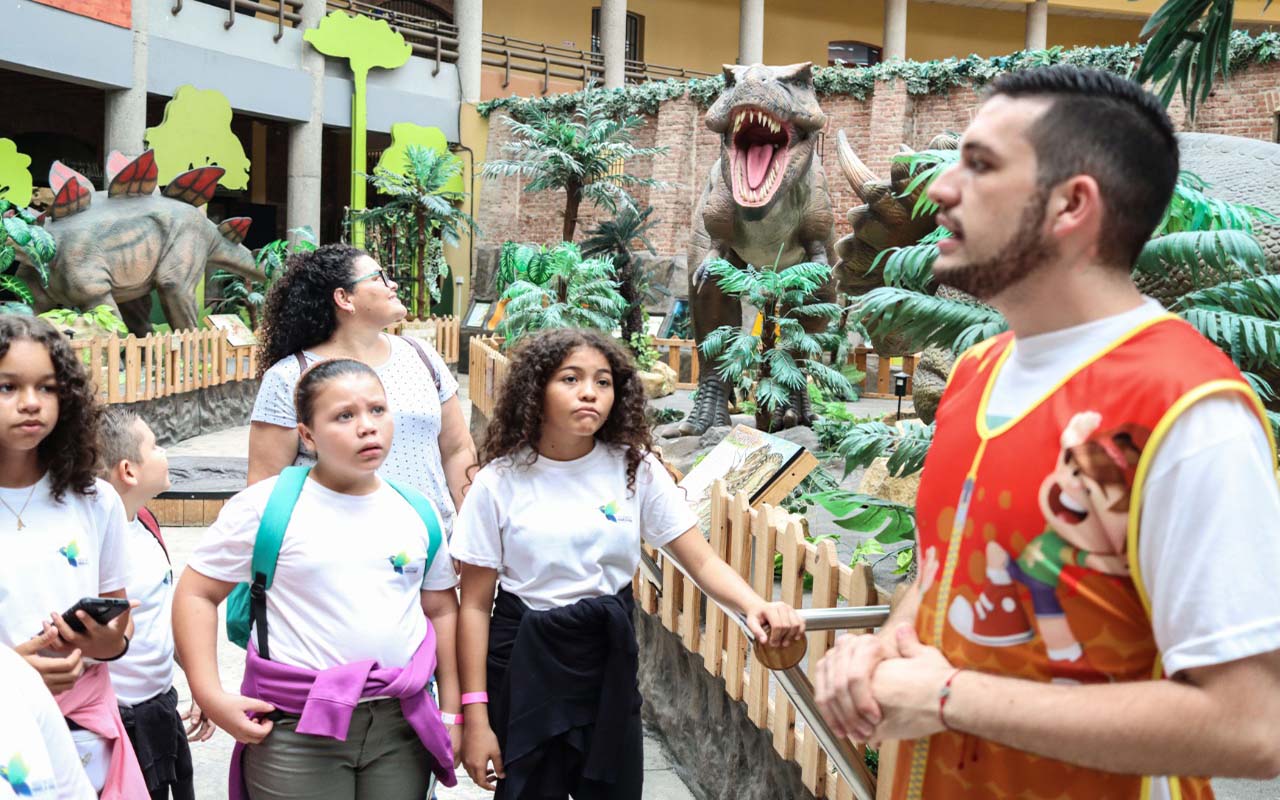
[1244, 106]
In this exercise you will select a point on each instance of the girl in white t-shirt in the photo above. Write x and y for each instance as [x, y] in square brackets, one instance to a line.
[357, 621]
[568, 487]
[61, 539]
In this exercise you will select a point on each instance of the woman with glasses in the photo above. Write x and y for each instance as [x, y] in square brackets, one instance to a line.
[335, 303]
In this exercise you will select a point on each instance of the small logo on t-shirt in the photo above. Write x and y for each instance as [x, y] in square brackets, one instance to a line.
[71, 551]
[400, 563]
[611, 513]
[15, 772]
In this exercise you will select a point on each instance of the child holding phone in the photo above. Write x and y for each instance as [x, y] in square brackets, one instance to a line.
[137, 468]
[359, 616]
[61, 532]
[567, 489]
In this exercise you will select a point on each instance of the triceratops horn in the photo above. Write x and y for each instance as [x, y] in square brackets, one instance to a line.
[854, 170]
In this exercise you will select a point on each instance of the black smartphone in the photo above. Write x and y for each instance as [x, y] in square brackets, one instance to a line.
[102, 609]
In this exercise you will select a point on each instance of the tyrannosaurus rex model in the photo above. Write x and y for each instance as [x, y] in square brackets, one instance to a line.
[115, 246]
[764, 202]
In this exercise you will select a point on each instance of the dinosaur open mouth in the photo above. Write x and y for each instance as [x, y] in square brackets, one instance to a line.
[758, 156]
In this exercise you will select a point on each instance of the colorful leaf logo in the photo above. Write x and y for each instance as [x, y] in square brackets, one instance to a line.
[16, 774]
[398, 561]
[71, 552]
[610, 511]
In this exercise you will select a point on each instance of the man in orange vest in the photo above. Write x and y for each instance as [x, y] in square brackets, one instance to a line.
[1097, 613]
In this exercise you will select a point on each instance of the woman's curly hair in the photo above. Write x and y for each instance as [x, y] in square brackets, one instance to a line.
[70, 452]
[299, 310]
[517, 415]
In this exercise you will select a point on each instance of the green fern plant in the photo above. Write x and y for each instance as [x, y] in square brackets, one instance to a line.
[775, 365]
[559, 289]
[22, 235]
[237, 295]
[615, 238]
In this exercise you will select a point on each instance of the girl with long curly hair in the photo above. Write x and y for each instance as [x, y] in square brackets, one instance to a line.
[62, 534]
[335, 302]
[568, 486]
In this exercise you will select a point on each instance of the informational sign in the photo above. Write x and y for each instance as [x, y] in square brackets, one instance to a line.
[113, 12]
[238, 334]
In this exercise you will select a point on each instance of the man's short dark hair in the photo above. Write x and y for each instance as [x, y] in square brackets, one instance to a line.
[1111, 129]
[119, 437]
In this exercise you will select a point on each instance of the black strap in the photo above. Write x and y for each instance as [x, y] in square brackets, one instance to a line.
[422, 354]
[258, 610]
[302, 362]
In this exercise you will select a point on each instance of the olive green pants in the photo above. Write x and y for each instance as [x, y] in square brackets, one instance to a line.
[382, 759]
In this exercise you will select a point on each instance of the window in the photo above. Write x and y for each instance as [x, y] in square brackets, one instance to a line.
[853, 54]
[635, 35]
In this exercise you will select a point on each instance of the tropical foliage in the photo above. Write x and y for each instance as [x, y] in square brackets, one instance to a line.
[20, 234]
[406, 234]
[776, 364]
[614, 239]
[555, 288]
[237, 295]
[583, 152]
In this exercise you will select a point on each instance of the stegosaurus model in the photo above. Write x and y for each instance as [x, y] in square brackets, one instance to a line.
[765, 201]
[116, 246]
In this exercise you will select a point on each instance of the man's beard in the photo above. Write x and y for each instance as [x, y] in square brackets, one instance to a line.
[1025, 253]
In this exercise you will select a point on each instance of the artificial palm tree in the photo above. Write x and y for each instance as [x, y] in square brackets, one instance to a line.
[584, 154]
[556, 288]
[613, 239]
[420, 210]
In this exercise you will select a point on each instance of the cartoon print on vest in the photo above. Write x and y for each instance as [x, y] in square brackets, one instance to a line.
[1085, 503]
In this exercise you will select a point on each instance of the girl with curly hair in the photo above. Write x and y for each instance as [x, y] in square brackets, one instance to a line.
[62, 535]
[335, 302]
[568, 486]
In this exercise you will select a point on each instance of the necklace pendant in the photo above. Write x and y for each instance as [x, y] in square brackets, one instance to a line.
[20, 524]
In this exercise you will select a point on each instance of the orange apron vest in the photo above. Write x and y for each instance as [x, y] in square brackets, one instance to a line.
[1028, 542]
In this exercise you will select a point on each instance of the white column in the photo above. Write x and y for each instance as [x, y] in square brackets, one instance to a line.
[302, 209]
[469, 16]
[613, 42]
[126, 109]
[751, 32]
[1037, 25]
[895, 29]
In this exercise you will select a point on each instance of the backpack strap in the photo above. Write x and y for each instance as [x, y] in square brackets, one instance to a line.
[302, 362]
[149, 522]
[422, 354]
[266, 547]
[427, 510]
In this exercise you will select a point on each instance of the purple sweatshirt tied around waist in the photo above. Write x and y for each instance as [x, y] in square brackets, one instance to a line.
[326, 699]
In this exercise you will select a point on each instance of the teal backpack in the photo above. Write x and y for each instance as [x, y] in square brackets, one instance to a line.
[247, 603]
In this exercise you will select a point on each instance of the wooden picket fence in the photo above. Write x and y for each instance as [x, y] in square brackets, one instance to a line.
[132, 369]
[443, 333]
[748, 539]
[486, 371]
[679, 352]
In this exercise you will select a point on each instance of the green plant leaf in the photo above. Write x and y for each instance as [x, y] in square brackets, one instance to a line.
[17, 287]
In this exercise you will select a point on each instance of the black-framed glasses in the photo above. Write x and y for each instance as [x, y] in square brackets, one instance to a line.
[381, 274]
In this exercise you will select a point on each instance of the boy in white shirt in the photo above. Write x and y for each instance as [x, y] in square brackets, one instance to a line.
[143, 679]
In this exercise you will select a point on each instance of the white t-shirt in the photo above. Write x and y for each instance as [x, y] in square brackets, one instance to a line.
[414, 459]
[348, 580]
[147, 669]
[37, 756]
[1210, 505]
[561, 531]
[68, 550]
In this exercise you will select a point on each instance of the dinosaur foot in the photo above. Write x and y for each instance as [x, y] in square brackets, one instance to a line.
[710, 408]
[798, 411]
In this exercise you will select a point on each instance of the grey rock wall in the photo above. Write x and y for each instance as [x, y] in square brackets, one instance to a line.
[182, 416]
[718, 752]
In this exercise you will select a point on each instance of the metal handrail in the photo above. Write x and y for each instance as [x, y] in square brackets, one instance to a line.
[793, 680]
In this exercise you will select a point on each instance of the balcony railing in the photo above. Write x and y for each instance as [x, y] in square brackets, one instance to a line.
[438, 41]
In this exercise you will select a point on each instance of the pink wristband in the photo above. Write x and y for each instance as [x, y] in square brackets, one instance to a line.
[475, 697]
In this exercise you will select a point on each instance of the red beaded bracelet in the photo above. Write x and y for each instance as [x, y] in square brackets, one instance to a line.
[944, 694]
